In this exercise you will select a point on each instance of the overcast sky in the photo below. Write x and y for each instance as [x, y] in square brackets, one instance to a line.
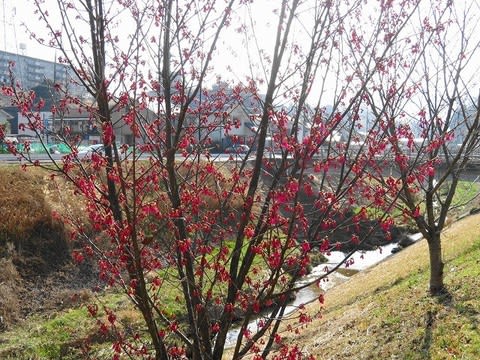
[232, 61]
[16, 14]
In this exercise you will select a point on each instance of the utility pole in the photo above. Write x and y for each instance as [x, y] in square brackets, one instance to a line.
[4, 27]
[54, 94]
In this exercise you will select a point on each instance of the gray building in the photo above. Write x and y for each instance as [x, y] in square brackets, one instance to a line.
[31, 72]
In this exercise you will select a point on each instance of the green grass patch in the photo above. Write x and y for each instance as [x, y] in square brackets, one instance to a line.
[63, 335]
[40, 338]
[435, 328]
[465, 192]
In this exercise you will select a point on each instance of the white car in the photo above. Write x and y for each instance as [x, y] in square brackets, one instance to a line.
[87, 152]
[237, 149]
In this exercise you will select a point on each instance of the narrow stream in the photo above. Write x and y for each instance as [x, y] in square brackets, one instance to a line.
[361, 261]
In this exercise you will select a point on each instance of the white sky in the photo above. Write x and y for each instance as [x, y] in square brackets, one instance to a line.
[232, 63]
[15, 14]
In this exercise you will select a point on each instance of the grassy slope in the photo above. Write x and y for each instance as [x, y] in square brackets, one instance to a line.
[386, 313]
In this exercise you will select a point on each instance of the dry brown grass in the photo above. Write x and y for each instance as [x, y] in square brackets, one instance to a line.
[9, 300]
[32, 242]
[28, 227]
[20, 204]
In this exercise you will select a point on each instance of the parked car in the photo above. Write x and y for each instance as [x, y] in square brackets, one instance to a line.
[87, 152]
[237, 149]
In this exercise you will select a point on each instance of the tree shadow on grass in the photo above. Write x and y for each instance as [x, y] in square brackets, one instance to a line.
[445, 298]
[467, 311]
[427, 337]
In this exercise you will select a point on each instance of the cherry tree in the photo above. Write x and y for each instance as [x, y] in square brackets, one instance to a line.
[430, 112]
[228, 236]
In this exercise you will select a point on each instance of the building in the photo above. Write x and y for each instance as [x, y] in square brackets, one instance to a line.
[30, 72]
[462, 122]
[81, 124]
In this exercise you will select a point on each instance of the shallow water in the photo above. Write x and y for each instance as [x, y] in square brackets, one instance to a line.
[361, 261]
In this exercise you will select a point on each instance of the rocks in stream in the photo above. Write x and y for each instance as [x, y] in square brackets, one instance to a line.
[403, 242]
[367, 233]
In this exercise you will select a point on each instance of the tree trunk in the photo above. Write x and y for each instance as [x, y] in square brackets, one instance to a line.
[436, 265]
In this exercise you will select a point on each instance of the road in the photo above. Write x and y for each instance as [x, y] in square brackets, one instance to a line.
[8, 158]
[45, 158]
[470, 174]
